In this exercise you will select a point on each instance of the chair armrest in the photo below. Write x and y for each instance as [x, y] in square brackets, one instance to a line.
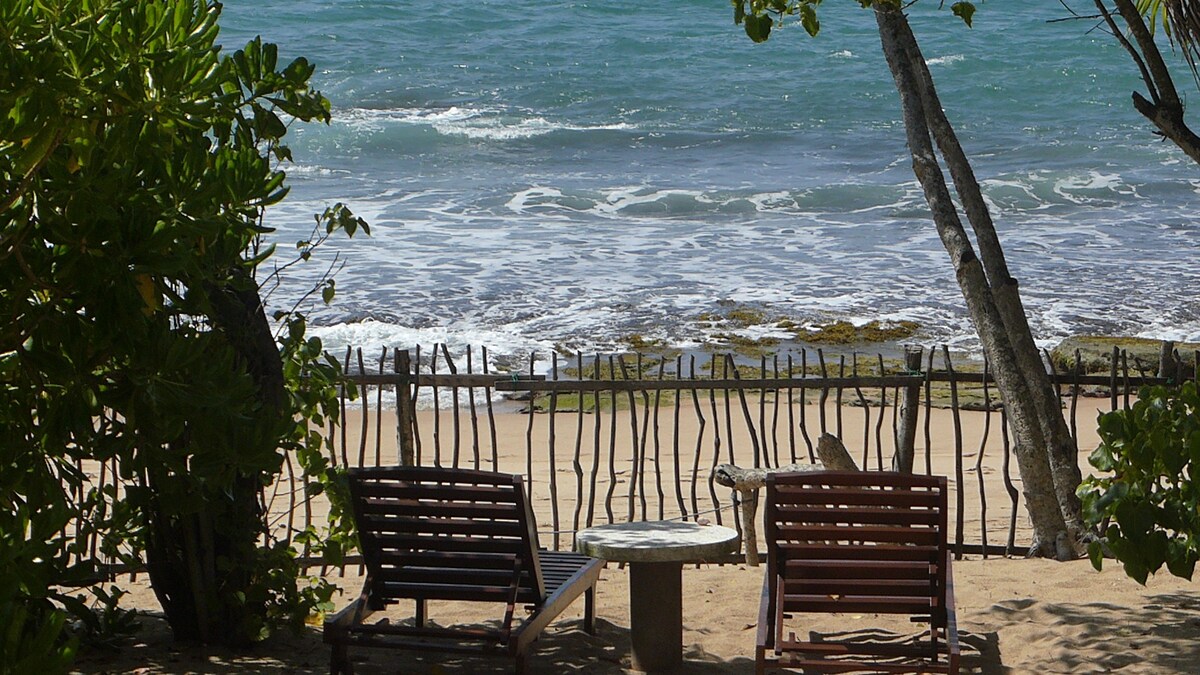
[765, 616]
[951, 618]
[350, 615]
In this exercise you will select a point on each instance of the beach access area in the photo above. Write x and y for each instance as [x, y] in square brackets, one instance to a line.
[609, 452]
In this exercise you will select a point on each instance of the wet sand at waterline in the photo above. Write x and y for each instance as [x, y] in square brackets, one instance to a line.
[1015, 615]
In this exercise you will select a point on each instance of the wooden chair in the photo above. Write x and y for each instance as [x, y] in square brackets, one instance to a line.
[454, 534]
[857, 543]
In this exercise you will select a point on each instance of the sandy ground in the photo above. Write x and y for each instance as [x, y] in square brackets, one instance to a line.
[1015, 615]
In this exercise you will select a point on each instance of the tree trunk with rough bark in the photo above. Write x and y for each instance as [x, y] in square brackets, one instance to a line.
[1056, 435]
[192, 557]
[1043, 446]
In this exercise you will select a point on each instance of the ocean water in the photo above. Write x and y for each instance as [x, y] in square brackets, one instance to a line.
[570, 173]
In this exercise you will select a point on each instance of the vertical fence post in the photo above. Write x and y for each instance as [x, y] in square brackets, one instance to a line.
[404, 408]
[906, 430]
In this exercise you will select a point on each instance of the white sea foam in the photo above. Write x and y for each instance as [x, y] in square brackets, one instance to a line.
[945, 60]
[487, 123]
[301, 169]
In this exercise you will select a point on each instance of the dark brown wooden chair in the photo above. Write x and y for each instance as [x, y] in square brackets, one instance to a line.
[857, 543]
[454, 534]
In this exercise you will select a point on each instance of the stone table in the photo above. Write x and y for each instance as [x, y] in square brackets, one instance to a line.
[655, 552]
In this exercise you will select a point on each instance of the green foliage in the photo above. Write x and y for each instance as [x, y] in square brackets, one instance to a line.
[758, 17]
[136, 161]
[31, 639]
[1149, 455]
[106, 624]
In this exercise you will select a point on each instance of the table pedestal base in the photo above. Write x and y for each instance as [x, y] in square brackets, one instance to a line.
[656, 615]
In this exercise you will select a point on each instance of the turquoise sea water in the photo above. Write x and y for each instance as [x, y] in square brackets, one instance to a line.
[568, 173]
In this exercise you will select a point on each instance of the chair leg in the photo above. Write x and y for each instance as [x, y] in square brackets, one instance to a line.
[589, 610]
[339, 661]
[421, 614]
[519, 664]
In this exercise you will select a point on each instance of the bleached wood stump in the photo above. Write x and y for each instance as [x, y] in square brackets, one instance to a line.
[748, 482]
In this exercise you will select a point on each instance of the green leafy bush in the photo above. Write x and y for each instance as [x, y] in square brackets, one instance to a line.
[1148, 495]
[137, 159]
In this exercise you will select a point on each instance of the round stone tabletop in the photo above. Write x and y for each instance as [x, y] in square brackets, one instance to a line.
[656, 541]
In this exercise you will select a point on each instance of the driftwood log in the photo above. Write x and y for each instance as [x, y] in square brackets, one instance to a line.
[834, 457]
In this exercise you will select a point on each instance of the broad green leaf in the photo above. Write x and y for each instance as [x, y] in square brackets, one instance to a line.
[964, 10]
[1102, 458]
[1096, 554]
[758, 27]
[808, 19]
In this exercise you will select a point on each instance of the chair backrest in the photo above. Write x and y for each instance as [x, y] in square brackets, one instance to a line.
[869, 542]
[446, 534]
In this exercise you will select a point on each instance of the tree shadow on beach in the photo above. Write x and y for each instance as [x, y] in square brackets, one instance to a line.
[1158, 637]
[563, 648]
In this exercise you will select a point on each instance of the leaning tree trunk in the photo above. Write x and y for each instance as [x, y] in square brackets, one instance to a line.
[1056, 435]
[1052, 536]
[202, 564]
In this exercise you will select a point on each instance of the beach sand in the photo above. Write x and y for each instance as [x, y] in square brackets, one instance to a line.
[1015, 615]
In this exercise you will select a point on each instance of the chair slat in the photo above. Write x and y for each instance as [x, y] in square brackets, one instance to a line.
[856, 586]
[859, 497]
[466, 544]
[858, 569]
[443, 575]
[826, 513]
[881, 604]
[399, 525]
[831, 551]
[439, 491]
[862, 533]
[440, 509]
[466, 592]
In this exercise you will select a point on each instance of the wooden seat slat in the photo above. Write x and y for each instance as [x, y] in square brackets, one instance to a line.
[426, 631]
[444, 491]
[440, 509]
[466, 592]
[885, 551]
[448, 559]
[415, 526]
[863, 533]
[454, 576]
[857, 497]
[865, 515]
[856, 569]
[464, 543]
[866, 604]
[850, 587]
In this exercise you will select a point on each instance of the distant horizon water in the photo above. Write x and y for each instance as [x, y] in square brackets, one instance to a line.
[572, 174]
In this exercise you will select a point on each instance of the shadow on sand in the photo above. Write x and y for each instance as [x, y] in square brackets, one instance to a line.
[1158, 637]
[563, 648]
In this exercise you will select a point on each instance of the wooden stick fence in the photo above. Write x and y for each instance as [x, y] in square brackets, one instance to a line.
[619, 437]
